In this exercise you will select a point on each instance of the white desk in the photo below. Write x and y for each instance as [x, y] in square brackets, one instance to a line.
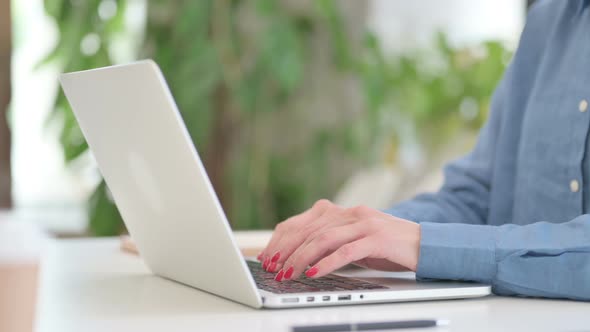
[90, 285]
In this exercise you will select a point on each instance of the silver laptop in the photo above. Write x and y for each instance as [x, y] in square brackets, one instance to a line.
[158, 182]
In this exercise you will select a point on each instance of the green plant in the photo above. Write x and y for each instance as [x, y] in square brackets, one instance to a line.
[79, 22]
[228, 83]
[236, 69]
[436, 92]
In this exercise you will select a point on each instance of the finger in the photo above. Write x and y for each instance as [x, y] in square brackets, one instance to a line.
[290, 242]
[283, 227]
[289, 228]
[321, 207]
[338, 218]
[324, 244]
[346, 254]
[330, 218]
[333, 217]
[332, 221]
[268, 254]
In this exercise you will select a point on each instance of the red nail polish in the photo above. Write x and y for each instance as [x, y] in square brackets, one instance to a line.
[279, 276]
[272, 267]
[312, 272]
[259, 257]
[289, 273]
[276, 257]
[265, 264]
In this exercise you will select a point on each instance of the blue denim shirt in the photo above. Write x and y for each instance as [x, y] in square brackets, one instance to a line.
[512, 212]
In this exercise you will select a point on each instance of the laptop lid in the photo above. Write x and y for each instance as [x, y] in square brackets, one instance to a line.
[145, 154]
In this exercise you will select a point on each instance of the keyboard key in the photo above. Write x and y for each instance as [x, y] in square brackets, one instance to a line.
[265, 280]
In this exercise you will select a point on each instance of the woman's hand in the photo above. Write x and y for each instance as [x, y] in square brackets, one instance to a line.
[329, 237]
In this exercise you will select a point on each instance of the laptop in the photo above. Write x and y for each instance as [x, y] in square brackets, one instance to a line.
[146, 156]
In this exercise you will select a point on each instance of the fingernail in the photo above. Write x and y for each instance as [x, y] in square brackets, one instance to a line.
[259, 257]
[265, 264]
[312, 272]
[279, 276]
[276, 257]
[272, 267]
[289, 273]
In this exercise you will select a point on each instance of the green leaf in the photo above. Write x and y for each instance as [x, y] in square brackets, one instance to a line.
[282, 53]
[104, 218]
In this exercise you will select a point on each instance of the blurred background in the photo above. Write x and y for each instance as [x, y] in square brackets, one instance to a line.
[287, 101]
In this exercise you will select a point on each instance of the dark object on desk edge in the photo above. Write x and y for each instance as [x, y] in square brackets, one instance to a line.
[402, 324]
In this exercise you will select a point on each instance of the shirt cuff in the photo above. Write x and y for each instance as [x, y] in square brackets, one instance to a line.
[457, 252]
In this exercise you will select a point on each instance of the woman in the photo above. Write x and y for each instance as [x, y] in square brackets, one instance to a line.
[512, 213]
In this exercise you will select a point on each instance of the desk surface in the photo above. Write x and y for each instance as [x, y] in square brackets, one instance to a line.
[90, 285]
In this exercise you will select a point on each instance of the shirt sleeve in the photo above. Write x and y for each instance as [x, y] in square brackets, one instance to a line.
[541, 259]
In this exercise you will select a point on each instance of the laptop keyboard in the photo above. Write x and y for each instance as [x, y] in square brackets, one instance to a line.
[265, 280]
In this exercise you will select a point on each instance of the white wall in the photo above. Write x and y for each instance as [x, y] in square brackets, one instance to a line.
[403, 25]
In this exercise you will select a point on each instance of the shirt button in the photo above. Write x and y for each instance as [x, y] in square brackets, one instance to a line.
[583, 107]
[574, 186]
